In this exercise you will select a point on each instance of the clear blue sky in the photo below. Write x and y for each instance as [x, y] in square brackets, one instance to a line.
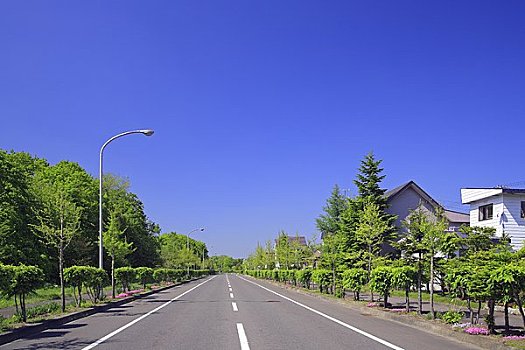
[260, 107]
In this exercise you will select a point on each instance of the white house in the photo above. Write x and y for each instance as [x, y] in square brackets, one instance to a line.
[501, 208]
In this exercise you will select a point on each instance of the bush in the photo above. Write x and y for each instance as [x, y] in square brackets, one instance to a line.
[323, 278]
[126, 276]
[451, 317]
[144, 275]
[85, 276]
[354, 280]
[304, 277]
[25, 280]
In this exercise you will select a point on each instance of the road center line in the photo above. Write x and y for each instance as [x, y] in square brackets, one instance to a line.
[242, 337]
[357, 330]
[234, 305]
[231, 295]
[115, 332]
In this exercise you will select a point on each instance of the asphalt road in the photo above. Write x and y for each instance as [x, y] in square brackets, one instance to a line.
[233, 312]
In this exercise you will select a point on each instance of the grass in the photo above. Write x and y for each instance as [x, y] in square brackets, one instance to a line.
[41, 294]
[517, 344]
[438, 298]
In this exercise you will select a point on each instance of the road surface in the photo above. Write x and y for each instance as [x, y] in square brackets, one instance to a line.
[233, 312]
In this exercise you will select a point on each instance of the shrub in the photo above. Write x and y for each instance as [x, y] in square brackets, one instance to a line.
[125, 275]
[144, 275]
[25, 280]
[304, 277]
[354, 280]
[451, 317]
[322, 278]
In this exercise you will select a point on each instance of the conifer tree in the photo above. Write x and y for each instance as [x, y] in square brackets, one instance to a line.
[328, 223]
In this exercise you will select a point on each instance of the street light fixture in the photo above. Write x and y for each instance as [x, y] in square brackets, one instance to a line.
[147, 132]
[188, 245]
[188, 236]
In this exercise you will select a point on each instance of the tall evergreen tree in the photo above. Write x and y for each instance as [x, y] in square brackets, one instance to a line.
[328, 223]
[368, 181]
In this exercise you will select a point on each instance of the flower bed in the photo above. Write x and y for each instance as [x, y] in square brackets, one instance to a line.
[477, 331]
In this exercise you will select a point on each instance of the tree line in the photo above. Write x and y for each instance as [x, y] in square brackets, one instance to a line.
[362, 249]
[49, 223]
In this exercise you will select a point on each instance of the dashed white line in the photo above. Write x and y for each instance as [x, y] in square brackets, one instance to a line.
[115, 332]
[234, 306]
[357, 330]
[231, 295]
[231, 290]
[242, 337]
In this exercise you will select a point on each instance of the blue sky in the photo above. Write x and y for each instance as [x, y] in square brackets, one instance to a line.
[260, 107]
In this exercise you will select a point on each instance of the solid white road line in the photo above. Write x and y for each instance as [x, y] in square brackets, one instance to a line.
[234, 305]
[242, 337]
[231, 295]
[103, 339]
[357, 330]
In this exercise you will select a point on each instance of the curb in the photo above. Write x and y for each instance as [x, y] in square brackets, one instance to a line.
[30, 329]
[421, 324]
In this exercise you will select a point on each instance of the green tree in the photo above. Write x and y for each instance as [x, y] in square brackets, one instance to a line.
[25, 280]
[59, 223]
[373, 230]
[18, 240]
[115, 244]
[355, 279]
[381, 280]
[477, 239]
[283, 251]
[411, 244]
[434, 239]
[328, 223]
[140, 231]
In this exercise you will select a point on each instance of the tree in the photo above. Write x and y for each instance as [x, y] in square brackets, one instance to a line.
[25, 280]
[139, 229]
[59, 223]
[372, 231]
[434, 239]
[381, 280]
[115, 244]
[17, 210]
[328, 223]
[355, 279]
[403, 277]
[283, 251]
[333, 257]
[412, 244]
[477, 238]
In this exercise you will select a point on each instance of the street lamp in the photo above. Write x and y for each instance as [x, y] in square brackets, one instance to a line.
[188, 246]
[188, 236]
[147, 132]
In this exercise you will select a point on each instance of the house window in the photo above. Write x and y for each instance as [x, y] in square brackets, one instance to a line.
[485, 212]
[523, 209]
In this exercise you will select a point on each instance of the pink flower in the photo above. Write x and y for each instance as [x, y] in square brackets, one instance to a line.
[477, 330]
[514, 337]
[371, 305]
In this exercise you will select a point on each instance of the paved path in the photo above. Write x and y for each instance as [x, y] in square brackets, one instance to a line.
[233, 312]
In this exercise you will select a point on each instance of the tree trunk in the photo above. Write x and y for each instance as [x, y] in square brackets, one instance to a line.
[370, 271]
[113, 276]
[419, 278]
[490, 323]
[433, 313]
[16, 303]
[520, 307]
[23, 307]
[407, 298]
[61, 274]
[385, 299]
[471, 313]
[478, 312]
[507, 325]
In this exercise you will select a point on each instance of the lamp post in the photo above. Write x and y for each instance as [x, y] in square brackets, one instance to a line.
[147, 132]
[188, 246]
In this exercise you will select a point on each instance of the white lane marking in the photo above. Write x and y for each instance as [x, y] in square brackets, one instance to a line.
[231, 290]
[231, 295]
[242, 337]
[234, 305]
[115, 332]
[357, 330]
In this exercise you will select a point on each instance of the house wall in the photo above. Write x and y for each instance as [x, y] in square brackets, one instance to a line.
[497, 209]
[511, 220]
[404, 202]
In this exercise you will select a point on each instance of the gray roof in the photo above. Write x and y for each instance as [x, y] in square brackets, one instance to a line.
[452, 216]
[456, 216]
